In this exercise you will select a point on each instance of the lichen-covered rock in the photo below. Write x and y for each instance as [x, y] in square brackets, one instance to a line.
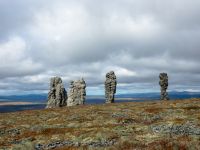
[164, 85]
[110, 87]
[57, 95]
[77, 93]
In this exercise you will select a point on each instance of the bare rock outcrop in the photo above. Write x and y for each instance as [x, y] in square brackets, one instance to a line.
[110, 86]
[77, 93]
[163, 86]
[57, 95]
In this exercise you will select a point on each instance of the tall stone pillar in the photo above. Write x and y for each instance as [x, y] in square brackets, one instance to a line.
[163, 86]
[77, 93]
[57, 95]
[110, 87]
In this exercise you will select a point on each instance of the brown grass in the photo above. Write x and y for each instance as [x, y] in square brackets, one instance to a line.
[154, 110]
[192, 107]
[96, 122]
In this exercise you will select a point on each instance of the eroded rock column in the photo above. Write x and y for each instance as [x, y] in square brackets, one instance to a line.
[110, 87]
[163, 86]
[77, 93]
[57, 95]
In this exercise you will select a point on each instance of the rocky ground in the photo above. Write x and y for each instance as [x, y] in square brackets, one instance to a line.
[133, 125]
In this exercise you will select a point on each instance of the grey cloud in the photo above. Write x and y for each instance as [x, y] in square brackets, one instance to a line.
[137, 39]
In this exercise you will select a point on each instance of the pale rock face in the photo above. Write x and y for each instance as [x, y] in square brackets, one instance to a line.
[110, 87]
[57, 95]
[77, 93]
[163, 86]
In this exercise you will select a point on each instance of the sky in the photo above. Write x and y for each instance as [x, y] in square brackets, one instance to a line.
[137, 39]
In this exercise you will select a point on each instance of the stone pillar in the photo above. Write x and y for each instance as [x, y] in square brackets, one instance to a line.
[57, 95]
[77, 93]
[110, 87]
[164, 85]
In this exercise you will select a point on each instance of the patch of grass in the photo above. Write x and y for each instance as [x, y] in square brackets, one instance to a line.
[192, 107]
[129, 145]
[51, 131]
[154, 110]
[127, 124]
[179, 121]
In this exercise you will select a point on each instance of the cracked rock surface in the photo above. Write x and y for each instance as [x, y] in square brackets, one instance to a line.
[110, 87]
[77, 93]
[163, 86]
[57, 95]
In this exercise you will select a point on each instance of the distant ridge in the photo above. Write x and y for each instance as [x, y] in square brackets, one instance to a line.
[29, 97]
[156, 95]
[43, 97]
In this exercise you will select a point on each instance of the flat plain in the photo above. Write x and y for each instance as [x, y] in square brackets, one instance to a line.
[128, 125]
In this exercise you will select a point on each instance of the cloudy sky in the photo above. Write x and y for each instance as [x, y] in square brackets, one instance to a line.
[137, 39]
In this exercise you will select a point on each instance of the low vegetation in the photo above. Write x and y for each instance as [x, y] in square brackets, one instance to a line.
[132, 125]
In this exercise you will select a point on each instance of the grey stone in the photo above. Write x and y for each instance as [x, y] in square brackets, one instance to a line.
[110, 86]
[183, 129]
[39, 147]
[57, 95]
[66, 144]
[164, 85]
[77, 93]
[119, 115]
[11, 132]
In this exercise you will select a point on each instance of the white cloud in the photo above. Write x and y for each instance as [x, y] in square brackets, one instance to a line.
[120, 72]
[137, 39]
[12, 51]
[15, 60]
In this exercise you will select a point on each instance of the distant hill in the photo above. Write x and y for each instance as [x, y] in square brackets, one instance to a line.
[29, 97]
[184, 95]
[150, 96]
[172, 95]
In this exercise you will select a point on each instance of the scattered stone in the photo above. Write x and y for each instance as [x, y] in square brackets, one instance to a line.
[119, 115]
[57, 95]
[102, 143]
[2, 132]
[68, 143]
[183, 129]
[151, 118]
[77, 93]
[110, 87]
[12, 132]
[164, 85]
[58, 144]
[128, 121]
[15, 142]
[39, 147]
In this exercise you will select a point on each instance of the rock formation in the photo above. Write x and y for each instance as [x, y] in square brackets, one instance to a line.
[77, 93]
[164, 84]
[57, 95]
[110, 87]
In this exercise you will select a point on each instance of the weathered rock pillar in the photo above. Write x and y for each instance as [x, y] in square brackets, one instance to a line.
[110, 87]
[77, 93]
[164, 85]
[57, 95]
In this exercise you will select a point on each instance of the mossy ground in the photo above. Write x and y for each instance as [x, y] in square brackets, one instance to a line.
[132, 125]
